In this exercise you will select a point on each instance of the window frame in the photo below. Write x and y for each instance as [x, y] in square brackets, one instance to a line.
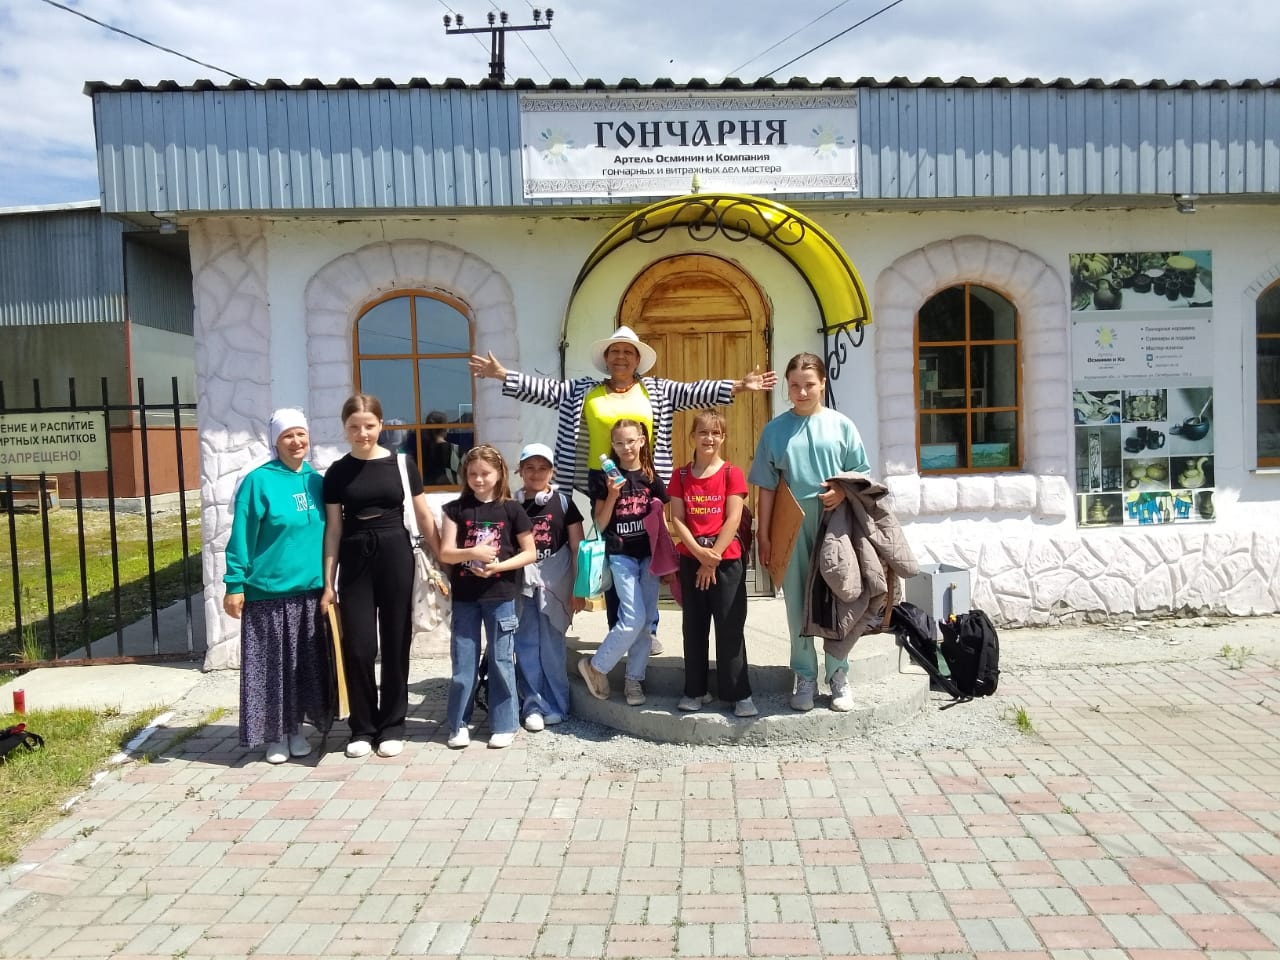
[1270, 290]
[968, 409]
[417, 427]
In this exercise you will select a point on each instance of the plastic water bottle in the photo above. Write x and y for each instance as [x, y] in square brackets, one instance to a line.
[611, 470]
[486, 536]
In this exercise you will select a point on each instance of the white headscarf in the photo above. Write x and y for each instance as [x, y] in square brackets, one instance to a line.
[282, 420]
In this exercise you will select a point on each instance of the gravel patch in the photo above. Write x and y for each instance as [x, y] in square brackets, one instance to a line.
[576, 748]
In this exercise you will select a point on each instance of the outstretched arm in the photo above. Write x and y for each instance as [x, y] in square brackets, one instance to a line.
[487, 367]
[755, 380]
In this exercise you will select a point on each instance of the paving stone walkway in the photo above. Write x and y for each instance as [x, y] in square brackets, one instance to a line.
[1140, 818]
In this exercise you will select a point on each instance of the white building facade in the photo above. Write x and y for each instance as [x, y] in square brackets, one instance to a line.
[1085, 446]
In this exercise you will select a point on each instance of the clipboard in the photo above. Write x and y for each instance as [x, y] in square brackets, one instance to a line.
[784, 530]
[335, 630]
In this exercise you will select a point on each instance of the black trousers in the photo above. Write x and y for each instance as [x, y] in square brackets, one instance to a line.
[724, 603]
[375, 590]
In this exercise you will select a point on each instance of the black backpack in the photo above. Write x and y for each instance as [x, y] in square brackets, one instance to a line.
[18, 736]
[972, 651]
[917, 635]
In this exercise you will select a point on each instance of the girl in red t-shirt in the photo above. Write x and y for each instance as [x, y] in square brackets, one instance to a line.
[707, 500]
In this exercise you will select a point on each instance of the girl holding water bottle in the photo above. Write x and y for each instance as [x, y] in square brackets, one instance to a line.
[488, 538]
[620, 499]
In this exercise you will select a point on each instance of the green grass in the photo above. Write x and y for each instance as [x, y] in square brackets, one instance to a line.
[1018, 716]
[35, 784]
[73, 628]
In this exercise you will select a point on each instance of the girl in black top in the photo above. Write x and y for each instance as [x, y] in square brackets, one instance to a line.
[368, 562]
[488, 538]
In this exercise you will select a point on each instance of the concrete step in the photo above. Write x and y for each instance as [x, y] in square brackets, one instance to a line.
[882, 695]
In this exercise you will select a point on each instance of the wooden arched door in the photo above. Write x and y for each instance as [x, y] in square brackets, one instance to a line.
[707, 319]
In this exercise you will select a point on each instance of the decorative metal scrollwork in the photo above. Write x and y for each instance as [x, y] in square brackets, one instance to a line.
[704, 219]
[836, 351]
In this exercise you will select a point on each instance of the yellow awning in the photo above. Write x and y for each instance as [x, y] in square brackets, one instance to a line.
[814, 253]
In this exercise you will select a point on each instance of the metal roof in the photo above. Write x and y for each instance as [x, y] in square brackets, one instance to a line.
[664, 84]
[50, 208]
[415, 147]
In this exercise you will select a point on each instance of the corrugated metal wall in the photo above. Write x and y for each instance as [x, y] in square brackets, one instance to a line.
[1025, 142]
[159, 285]
[417, 147]
[60, 267]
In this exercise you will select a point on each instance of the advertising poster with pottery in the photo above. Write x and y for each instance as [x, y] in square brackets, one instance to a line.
[1142, 377]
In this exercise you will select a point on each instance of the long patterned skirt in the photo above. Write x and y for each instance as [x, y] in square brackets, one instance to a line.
[286, 668]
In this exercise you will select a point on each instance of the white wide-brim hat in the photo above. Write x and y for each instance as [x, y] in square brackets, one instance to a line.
[624, 334]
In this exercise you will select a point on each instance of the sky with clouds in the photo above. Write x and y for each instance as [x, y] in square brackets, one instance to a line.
[47, 54]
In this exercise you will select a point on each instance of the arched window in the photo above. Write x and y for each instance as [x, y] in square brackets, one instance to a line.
[411, 352]
[1268, 350]
[967, 382]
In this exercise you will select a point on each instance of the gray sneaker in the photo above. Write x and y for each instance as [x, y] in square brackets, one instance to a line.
[802, 699]
[633, 691]
[656, 649]
[745, 708]
[841, 696]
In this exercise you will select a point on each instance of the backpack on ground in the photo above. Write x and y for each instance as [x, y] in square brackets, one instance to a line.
[971, 649]
[17, 736]
[918, 635]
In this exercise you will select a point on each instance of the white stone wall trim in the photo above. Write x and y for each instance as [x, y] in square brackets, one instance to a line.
[1038, 292]
[340, 290]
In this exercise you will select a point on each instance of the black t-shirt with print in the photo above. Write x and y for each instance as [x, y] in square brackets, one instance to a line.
[370, 489]
[503, 520]
[551, 522]
[625, 534]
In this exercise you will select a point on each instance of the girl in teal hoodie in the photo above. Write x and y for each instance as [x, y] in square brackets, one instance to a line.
[274, 579]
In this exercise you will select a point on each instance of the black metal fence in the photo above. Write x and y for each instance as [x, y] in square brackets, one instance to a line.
[84, 588]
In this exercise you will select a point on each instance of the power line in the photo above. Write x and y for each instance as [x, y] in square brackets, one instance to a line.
[562, 50]
[888, 6]
[734, 71]
[149, 43]
[455, 13]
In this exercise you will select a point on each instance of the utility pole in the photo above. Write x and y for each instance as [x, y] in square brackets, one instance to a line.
[498, 29]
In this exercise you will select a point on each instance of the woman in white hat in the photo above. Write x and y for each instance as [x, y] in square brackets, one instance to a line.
[274, 580]
[623, 393]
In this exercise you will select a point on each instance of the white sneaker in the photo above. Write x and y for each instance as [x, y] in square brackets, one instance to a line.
[277, 752]
[390, 748]
[656, 649]
[551, 719]
[841, 696]
[745, 708]
[299, 746]
[359, 748]
[534, 722]
[461, 738]
[802, 699]
[499, 741]
[693, 704]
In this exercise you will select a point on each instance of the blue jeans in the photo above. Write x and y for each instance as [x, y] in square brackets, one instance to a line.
[541, 673]
[499, 620]
[637, 606]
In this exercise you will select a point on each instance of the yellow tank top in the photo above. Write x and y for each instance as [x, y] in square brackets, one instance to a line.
[602, 409]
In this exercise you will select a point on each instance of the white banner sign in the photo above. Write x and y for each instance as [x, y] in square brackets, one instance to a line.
[52, 442]
[610, 145]
[1120, 347]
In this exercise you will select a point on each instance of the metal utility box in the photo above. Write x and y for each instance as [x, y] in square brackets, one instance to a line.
[940, 590]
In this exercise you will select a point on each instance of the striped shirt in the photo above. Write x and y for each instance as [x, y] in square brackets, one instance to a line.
[666, 397]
